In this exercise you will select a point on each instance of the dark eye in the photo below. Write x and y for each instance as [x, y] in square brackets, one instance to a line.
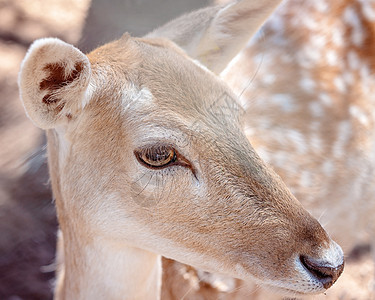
[156, 156]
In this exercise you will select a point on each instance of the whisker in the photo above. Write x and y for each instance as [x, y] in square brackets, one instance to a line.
[191, 288]
[243, 287]
[322, 214]
[159, 196]
[139, 178]
[32, 155]
[145, 185]
[255, 73]
[171, 186]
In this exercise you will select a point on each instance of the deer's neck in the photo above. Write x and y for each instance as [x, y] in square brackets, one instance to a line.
[108, 270]
[96, 267]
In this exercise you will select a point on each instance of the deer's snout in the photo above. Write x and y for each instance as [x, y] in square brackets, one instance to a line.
[326, 274]
[326, 269]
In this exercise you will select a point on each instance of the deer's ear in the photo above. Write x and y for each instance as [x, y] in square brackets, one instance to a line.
[53, 80]
[215, 35]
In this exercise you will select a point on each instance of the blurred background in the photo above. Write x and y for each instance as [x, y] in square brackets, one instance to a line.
[27, 215]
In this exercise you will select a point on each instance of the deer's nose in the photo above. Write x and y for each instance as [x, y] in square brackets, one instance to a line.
[322, 270]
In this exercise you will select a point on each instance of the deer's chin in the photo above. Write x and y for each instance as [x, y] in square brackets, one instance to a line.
[290, 292]
[292, 287]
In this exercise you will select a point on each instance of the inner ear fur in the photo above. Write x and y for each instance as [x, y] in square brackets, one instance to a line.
[53, 81]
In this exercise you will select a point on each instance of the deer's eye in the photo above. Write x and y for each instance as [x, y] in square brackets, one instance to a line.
[156, 156]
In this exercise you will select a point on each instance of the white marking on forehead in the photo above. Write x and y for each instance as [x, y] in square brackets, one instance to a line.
[133, 97]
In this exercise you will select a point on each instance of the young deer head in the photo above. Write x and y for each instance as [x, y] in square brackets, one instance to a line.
[147, 158]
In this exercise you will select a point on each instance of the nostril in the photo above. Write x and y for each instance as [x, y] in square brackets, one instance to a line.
[327, 275]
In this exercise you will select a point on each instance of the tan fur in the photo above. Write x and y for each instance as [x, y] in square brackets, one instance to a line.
[223, 209]
[314, 118]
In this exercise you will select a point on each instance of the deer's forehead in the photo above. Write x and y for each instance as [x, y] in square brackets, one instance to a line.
[157, 111]
[158, 66]
[172, 76]
[160, 84]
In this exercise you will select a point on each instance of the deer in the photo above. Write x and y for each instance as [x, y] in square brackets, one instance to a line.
[306, 83]
[311, 117]
[147, 158]
[330, 138]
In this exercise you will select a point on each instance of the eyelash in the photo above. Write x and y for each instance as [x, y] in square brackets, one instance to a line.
[153, 156]
[153, 151]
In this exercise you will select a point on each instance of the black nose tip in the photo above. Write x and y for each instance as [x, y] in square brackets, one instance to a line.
[327, 275]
